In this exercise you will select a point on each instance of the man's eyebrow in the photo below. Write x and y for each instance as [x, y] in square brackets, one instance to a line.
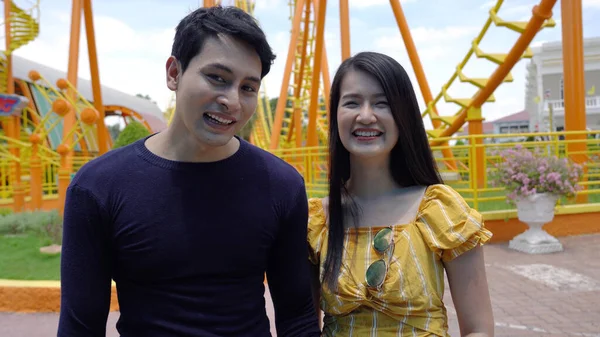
[227, 69]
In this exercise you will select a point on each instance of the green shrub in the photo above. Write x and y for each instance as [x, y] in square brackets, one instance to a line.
[5, 211]
[15, 223]
[133, 132]
[46, 224]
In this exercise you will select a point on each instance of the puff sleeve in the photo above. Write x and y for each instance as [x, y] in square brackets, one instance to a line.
[317, 229]
[450, 227]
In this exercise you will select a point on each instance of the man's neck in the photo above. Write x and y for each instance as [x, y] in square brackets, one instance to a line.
[172, 145]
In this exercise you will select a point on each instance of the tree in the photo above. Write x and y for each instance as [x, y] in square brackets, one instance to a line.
[114, 130]
[145, 97]
[133, 132]
[246, 131]
[273, 104]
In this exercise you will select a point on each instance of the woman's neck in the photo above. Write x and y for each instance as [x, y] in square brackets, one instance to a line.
[370, 178]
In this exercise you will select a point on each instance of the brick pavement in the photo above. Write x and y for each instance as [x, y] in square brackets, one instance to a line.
[546, 295]
[555, 295]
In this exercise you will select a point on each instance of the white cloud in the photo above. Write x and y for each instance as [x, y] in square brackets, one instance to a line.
[591, 3]
[280, 42]
[391, 36]
[132, 53]
[262, 5]
[440, 50]
[131, 61]
[372, 3]
[515, 10]
[488, 5]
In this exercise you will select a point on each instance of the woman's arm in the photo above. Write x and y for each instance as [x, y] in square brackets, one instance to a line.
[316, 291]
[469, 290]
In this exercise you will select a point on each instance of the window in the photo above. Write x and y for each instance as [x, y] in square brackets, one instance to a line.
[562, 88]
[524, 128]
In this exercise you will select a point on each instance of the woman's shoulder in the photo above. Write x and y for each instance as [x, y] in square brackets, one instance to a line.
[441, 203]
[317, 205]
[317, 214]
[317, 227]
[444, 194]
[448, 223]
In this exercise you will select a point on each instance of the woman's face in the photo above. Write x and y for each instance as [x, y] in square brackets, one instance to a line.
[365, 122]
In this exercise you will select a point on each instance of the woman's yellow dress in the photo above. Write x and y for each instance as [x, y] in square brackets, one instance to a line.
[410, 302]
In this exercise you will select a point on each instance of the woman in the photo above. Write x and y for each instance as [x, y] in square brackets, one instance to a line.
[389, 227]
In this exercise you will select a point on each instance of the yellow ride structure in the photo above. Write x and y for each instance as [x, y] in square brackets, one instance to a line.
[50, 127]
[301, 118]
[298, 131]
[307, 62]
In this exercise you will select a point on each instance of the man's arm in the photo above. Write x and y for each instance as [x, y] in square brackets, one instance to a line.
[85, 266]
[288, 273]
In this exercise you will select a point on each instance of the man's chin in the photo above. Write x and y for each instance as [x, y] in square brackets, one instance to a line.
[216, 139]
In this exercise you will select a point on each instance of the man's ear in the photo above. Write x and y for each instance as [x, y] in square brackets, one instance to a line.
[173, 73]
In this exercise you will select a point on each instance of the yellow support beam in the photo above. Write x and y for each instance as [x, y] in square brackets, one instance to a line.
[448, 120]
[517, 26]
[454, 123]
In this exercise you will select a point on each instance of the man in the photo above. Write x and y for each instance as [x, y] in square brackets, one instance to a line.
[188, 221]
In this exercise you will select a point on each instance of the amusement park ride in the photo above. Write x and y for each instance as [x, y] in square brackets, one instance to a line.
[50, 129]
[301, 116]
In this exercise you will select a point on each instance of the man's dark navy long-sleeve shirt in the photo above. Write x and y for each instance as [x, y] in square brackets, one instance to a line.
[187, 244]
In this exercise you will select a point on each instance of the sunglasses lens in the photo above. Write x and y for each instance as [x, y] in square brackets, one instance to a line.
[376, 273]
[382, 240]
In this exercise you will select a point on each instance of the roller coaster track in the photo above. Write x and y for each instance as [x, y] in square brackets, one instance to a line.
[292, 112]
[262, 120]
[446, 126]
[20, 27]
[61, 103]
[24, 27]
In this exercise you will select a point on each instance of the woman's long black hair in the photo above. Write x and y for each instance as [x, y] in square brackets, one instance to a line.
[411, 160]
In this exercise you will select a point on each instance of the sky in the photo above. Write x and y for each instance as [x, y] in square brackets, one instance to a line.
[134, 40]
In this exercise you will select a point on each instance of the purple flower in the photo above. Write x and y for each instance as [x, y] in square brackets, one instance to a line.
[525, 172]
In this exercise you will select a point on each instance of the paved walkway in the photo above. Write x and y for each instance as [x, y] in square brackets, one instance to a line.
[555, 295]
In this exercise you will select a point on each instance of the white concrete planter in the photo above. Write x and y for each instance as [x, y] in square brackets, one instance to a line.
[536, 211]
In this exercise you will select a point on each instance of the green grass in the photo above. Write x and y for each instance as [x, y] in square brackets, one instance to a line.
[20, 259]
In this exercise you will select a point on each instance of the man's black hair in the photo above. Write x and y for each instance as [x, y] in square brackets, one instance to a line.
[210, 22]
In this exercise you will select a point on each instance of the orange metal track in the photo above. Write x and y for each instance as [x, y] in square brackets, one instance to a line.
[540, 13]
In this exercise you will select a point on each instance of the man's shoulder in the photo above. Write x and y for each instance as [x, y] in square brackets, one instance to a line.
[279, 170]
[106, 167]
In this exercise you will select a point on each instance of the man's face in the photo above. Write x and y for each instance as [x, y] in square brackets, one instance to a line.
[218, 92]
